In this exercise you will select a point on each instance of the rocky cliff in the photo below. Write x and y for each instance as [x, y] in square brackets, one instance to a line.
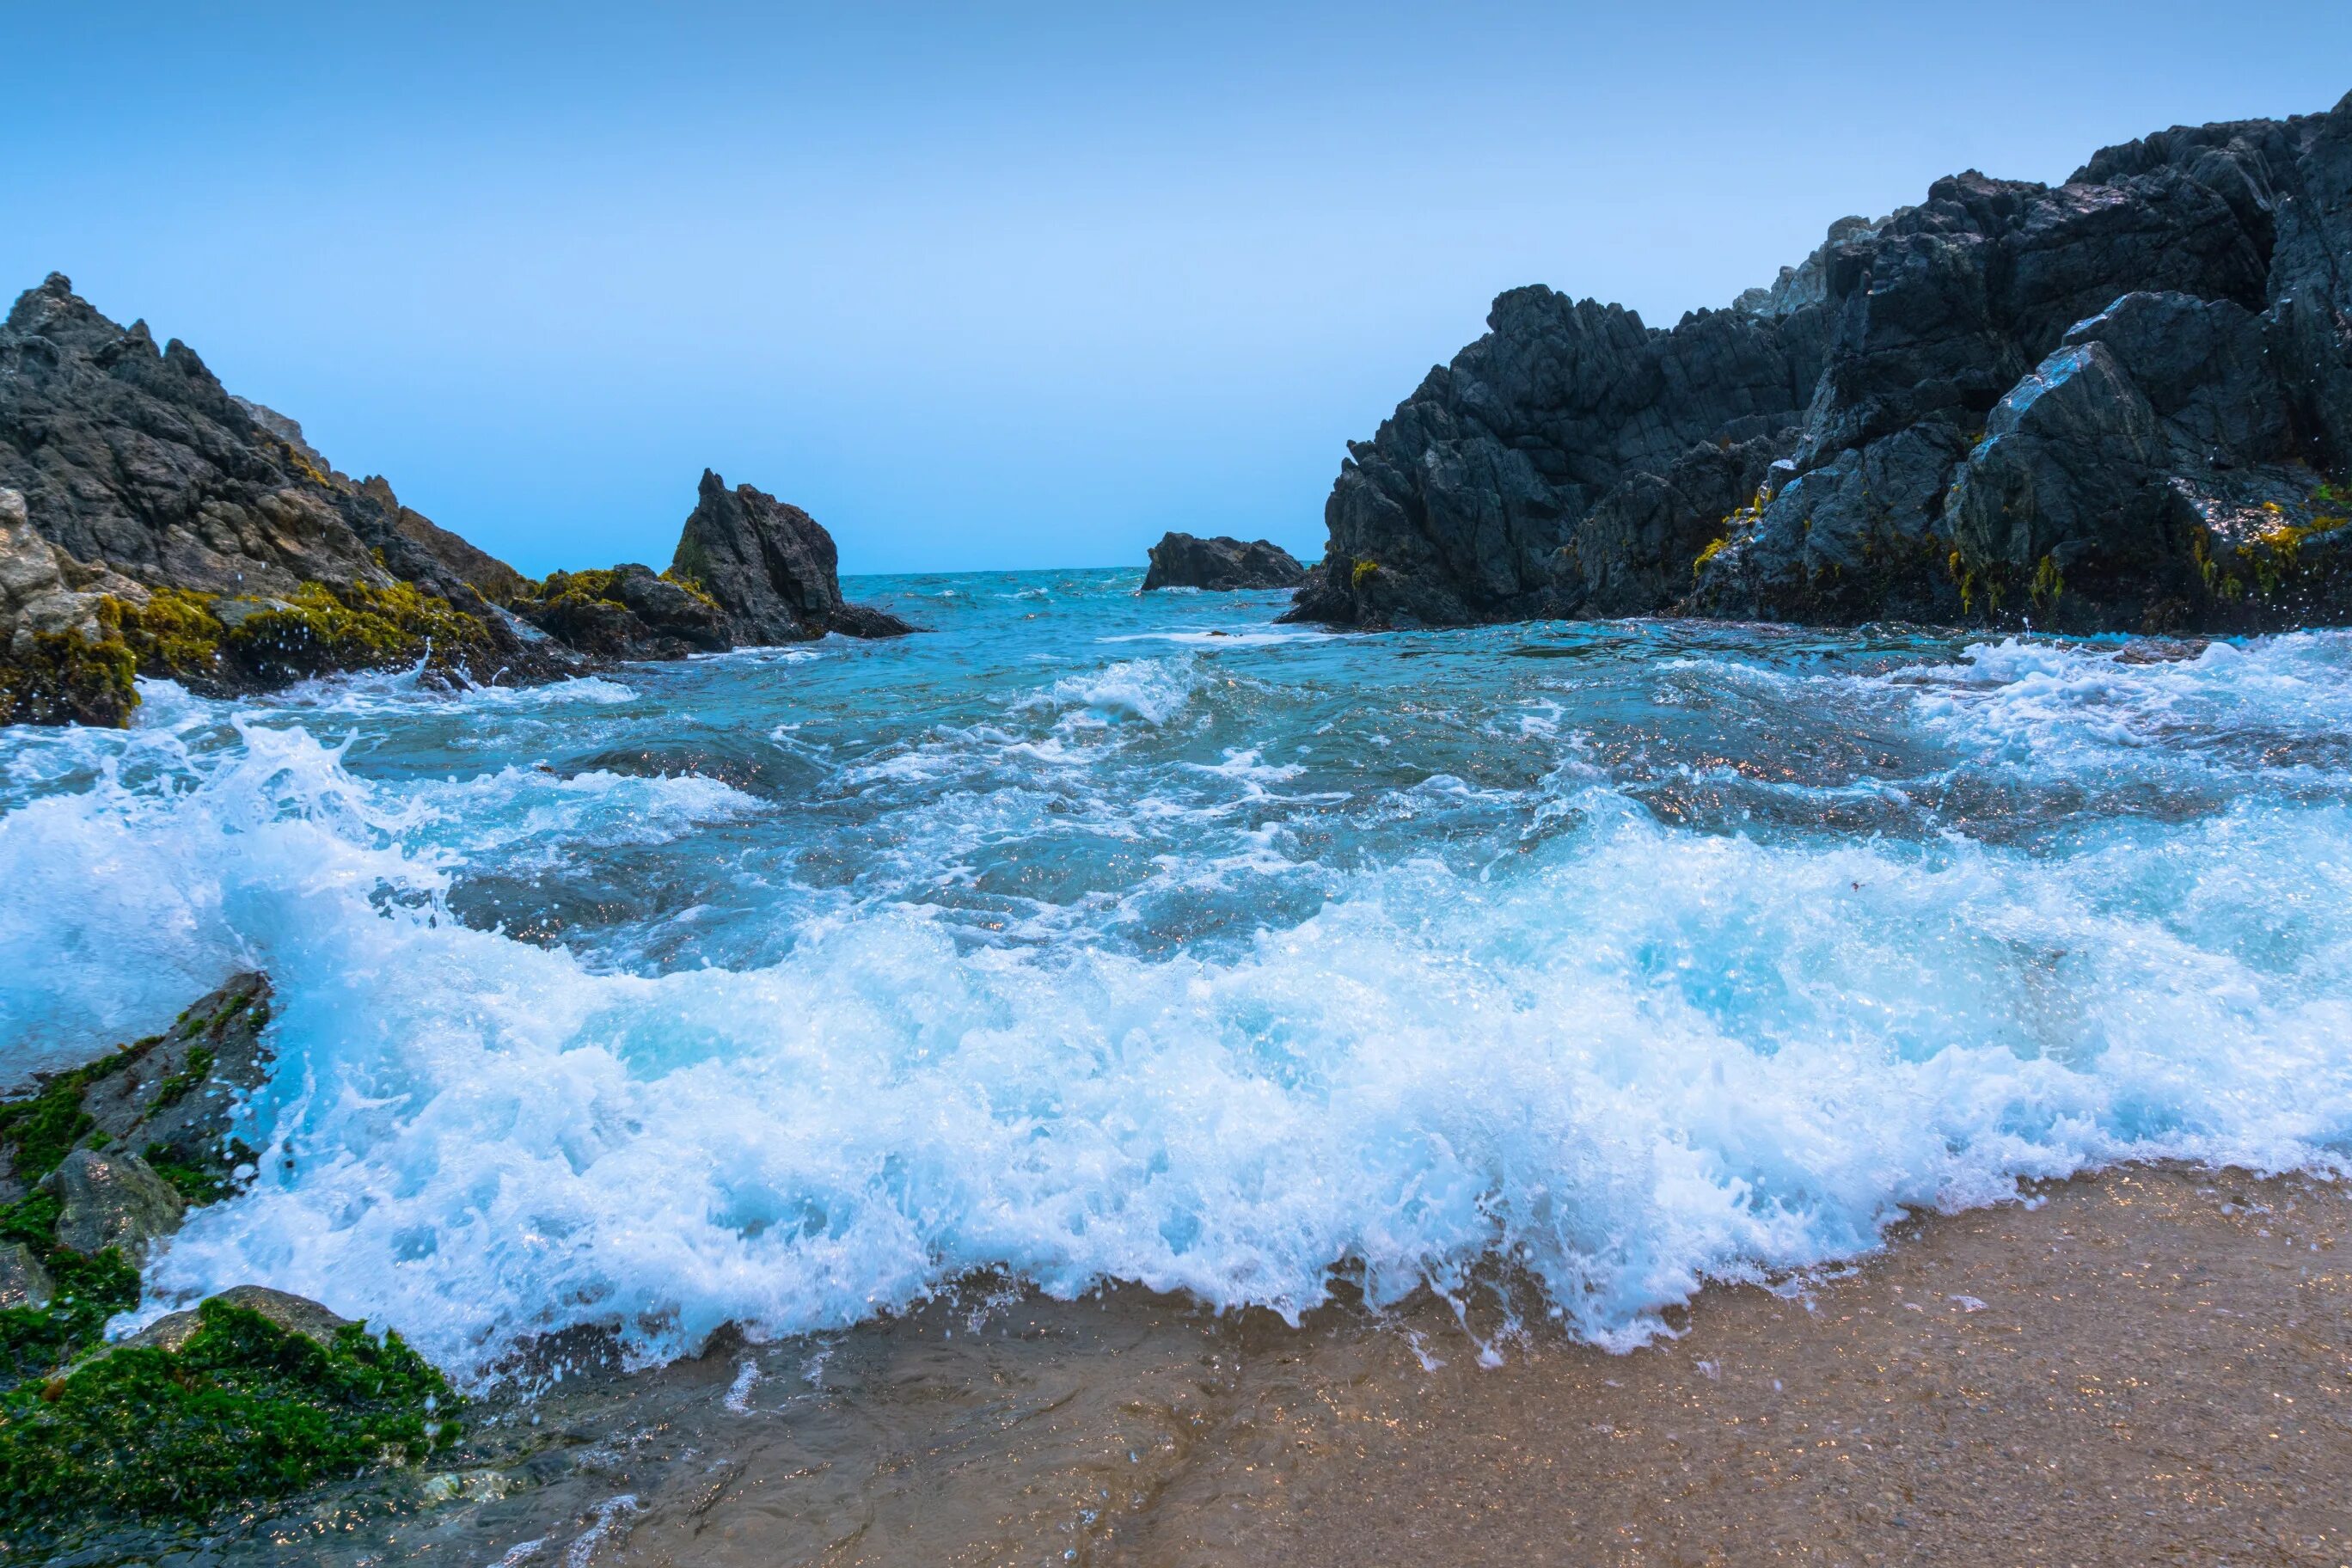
[1220, 564]
[152, 523]
[2120, 403]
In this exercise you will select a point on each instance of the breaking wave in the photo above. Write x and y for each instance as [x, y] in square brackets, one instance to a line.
[1282, 1001]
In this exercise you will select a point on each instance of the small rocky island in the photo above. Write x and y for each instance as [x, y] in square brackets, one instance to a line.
[1220, 564]
[2119, 404]
[151, 523]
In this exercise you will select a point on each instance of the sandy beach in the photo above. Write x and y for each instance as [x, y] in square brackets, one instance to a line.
[2147, 1366]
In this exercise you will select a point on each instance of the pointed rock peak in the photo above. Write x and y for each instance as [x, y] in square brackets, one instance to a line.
[770, 567]
[51, 301]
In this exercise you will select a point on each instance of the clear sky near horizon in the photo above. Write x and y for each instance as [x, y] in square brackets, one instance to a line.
[1014, 285]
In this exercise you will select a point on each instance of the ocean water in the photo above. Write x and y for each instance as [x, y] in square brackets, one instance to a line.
[1094, 937]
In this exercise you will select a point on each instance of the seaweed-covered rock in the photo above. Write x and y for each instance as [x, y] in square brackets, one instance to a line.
[626, 612]
[2122, 401]
[248, 1405]
[293, 1314]
[772, 569]
[1219, 565]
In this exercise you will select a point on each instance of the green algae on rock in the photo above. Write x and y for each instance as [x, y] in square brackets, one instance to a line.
[241, 1411]
[159, 1112]
[253, 1395]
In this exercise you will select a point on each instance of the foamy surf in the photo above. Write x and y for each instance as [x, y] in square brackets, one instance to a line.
[1169, 971]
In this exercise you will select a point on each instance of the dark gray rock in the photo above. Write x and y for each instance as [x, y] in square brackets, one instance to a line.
[135, 458]
[2072, 470]
[1890, 433]
[2206, 368]
[173, 1097]
[770, 568]
[111, 1199]
[1458, 508]
[1220, 564]
[1633, 553]
[626, 612]
[1860, 537]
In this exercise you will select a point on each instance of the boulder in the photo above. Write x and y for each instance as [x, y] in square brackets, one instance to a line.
[22, 1281]
[111, 1199]
[294, 1315]
[626, 612]
[771, 569]
[1219, 565]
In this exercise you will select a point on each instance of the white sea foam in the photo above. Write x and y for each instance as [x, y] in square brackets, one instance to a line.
[1153, 691]
[1644, 1057]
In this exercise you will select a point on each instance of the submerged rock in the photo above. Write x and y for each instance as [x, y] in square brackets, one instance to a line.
[1223, 563]
[2121, 403]
[770, 568]
[111, 1200]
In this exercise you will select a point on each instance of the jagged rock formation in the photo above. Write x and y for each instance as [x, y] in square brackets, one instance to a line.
[1220, 564]
[151, 523]
[2124, 402]
[770, 568]
[192, 534]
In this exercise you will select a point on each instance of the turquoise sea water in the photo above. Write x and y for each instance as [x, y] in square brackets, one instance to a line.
[1096, 936]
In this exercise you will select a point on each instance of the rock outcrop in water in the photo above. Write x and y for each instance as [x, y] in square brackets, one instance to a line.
[1220, 564]
[770, 568]
[2121, 403]
[152, 523]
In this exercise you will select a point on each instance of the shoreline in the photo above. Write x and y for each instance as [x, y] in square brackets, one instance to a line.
[2151, 1363]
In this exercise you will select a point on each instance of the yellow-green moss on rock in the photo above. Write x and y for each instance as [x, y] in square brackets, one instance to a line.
[63, 678]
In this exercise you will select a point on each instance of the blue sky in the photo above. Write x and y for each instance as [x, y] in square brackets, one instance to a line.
[1011, 286]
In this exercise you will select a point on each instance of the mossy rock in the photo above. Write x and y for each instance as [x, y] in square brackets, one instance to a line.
[63, 678]
[164, 1099]
[241, 1411]
[215, 645]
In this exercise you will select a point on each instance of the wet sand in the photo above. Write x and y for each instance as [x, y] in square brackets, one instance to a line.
[2158, 1372]
[2151, 1366]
